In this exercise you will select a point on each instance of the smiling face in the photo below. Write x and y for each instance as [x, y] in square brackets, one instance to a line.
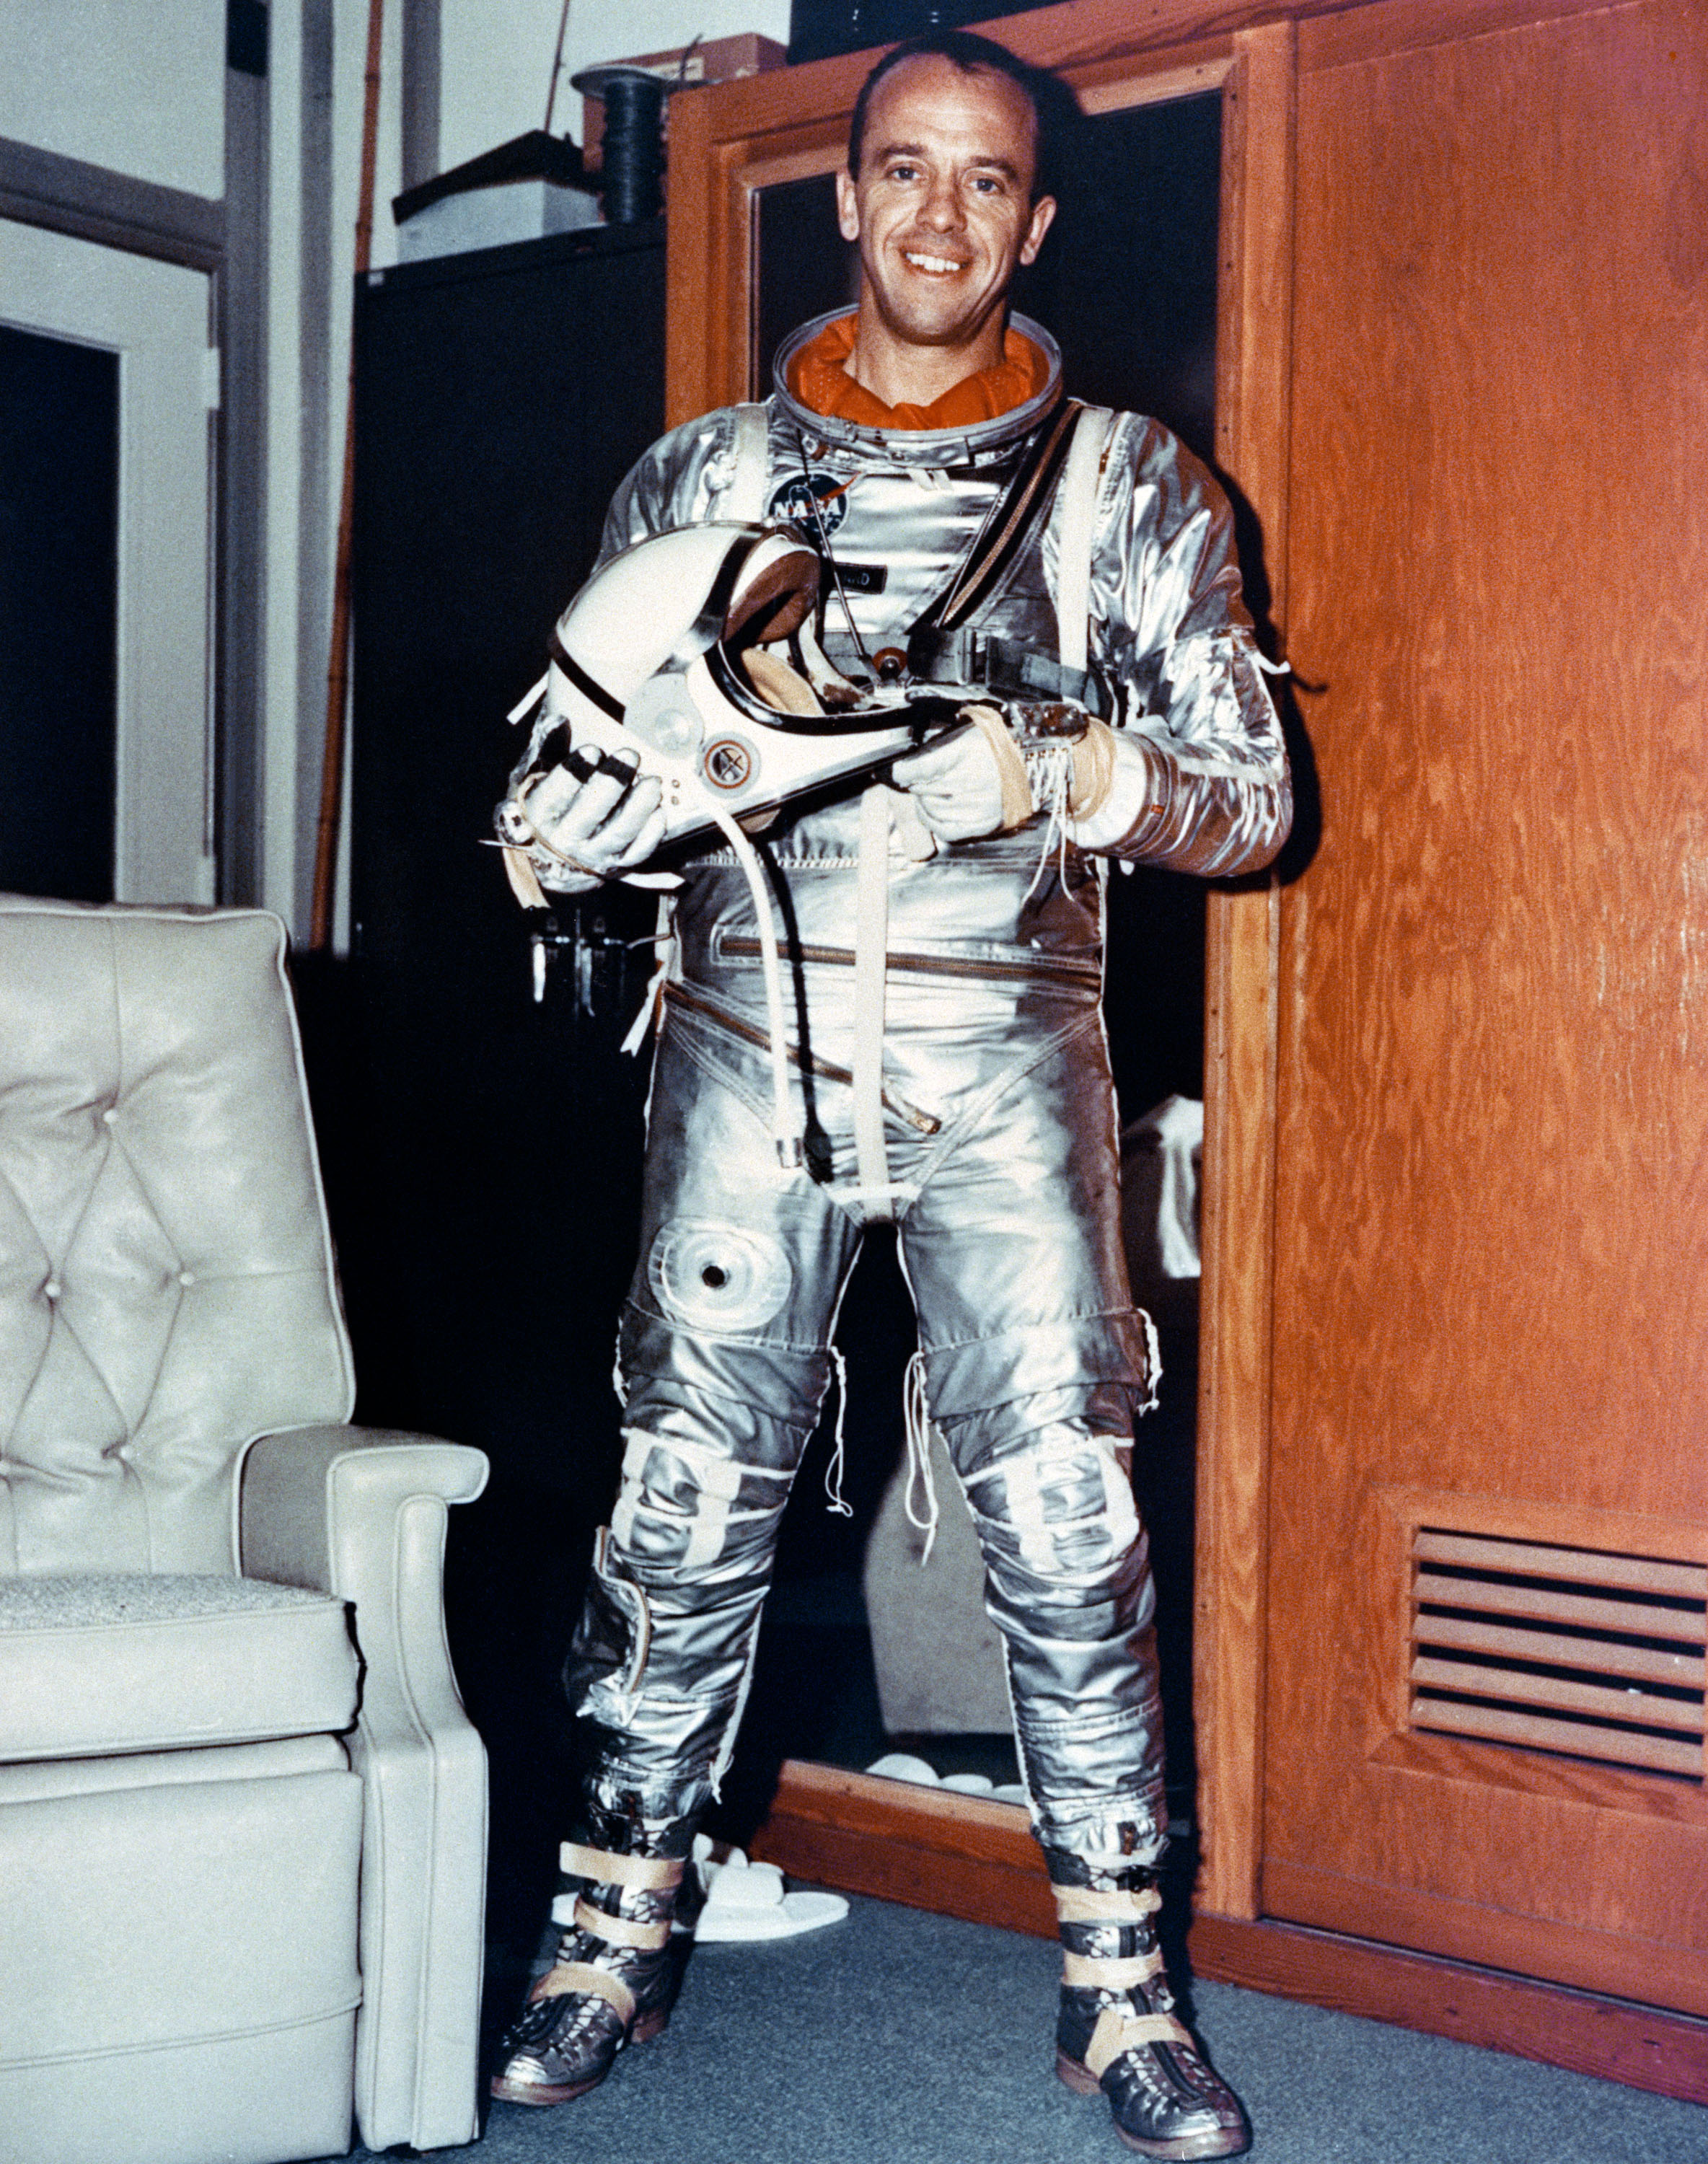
[942, 209]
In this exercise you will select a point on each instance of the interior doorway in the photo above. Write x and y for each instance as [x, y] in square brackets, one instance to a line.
[59, 615]
[105, 401]
[1127, 284]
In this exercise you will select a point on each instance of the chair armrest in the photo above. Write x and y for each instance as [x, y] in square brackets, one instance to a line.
[361, 1513]
[317, 1506]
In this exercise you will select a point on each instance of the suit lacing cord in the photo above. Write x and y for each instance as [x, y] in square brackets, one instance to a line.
[917, 1419]
[838, 1506]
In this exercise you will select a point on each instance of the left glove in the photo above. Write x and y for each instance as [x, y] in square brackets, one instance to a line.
[1111, 787]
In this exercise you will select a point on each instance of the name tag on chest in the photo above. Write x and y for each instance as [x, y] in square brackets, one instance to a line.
[863, 578]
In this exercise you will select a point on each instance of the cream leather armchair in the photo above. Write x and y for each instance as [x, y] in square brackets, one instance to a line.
[242, 1813]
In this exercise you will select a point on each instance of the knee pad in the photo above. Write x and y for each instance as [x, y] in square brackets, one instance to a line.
[1059, 1502]
[686, 1509]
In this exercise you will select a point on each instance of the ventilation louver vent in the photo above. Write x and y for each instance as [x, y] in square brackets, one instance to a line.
[1560, 1649]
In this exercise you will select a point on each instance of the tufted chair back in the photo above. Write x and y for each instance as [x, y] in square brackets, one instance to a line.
[166, 1283]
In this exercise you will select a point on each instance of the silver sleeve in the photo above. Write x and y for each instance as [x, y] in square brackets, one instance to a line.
[1170, 628]
[681, 480]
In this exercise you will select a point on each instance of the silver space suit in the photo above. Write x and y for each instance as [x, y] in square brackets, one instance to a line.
[1000, 1131]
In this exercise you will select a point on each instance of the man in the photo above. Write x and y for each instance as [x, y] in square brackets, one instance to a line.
[897, 438]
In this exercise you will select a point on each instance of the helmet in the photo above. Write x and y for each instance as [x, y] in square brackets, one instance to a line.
[695, 648]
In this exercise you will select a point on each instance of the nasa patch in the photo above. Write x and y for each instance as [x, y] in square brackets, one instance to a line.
[793, 500]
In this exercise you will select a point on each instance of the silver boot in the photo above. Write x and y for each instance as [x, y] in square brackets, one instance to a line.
[1119, 2031]
[617, 1971]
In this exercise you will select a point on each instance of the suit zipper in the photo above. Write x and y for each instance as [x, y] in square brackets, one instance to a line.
[1077, 974]
[698, 1003]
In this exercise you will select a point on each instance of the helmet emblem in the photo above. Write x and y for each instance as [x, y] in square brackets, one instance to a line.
[729, 764]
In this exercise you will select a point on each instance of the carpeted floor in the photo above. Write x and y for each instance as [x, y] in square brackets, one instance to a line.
[900, 2037]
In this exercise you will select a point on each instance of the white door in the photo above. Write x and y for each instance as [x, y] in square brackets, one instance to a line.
[155, 317]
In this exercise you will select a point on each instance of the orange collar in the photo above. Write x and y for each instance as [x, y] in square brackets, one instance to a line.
[819, 379]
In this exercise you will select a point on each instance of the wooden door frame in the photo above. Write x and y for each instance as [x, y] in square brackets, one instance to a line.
[732, 140]
[729, 143]
[965, 1855]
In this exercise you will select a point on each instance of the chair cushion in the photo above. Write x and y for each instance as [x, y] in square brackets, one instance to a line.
[96, 1665]
[180, 1978]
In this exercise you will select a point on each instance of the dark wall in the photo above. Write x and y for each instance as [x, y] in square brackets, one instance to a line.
[482, 1148]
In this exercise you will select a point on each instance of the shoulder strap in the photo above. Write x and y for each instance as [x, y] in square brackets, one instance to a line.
[744, 500]
[1012, 519]
[1075, 531]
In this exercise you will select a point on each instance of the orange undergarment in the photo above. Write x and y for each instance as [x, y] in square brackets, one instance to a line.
[819, 379]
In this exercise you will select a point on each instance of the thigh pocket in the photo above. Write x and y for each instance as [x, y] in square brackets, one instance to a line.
[614, 1634]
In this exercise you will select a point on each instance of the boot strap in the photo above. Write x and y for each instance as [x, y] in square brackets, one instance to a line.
[1098, 1973]
[1118, 2031]
[645, 1938]
[1089, 1904]
[639, 1874]
[572, 1979]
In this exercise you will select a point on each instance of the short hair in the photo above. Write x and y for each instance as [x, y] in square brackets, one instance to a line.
[1054, 106]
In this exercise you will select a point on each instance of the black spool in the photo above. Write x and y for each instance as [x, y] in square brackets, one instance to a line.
[632, 183]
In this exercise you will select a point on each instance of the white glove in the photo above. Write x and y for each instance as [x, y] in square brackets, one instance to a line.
[581, 828]
[956, 784]
[1116, 784]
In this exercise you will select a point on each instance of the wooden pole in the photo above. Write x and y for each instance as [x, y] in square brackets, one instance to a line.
[338, 665]
[557, 66]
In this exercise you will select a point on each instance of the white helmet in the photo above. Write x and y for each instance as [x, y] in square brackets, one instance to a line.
[695, 650]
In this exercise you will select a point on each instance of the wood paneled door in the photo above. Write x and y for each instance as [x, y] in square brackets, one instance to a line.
[1489, 1468]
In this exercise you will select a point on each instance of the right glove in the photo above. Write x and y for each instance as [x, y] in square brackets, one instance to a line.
[568, 829]
[971, 783]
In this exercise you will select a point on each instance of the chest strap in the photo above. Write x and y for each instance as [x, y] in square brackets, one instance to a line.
[1007, 667]
[1076, 528]
[744, 500]
[1060, 474]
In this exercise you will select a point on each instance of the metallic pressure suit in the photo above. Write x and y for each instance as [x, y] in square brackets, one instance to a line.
[1000, 1125]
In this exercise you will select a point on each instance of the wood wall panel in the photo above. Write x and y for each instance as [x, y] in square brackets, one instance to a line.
[1492, 1167]
[1587, 2031]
